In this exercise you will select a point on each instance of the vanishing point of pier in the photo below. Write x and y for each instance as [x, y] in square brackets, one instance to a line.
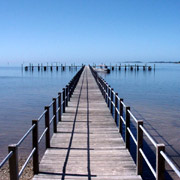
[87, 144]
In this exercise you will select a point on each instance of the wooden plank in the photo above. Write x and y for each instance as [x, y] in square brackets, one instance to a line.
[87, 144]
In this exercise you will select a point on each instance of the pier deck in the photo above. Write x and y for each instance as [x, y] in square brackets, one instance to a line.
[87, 144]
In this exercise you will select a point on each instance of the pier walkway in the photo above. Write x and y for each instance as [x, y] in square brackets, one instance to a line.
[87, 144]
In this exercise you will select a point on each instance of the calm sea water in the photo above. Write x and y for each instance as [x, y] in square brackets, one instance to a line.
[154, 96]
[23, 96]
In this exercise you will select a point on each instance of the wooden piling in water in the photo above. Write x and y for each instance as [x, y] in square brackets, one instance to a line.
[137, 67]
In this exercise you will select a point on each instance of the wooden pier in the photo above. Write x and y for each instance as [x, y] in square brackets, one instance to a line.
[87, 144]
[41, 67]
[88, 119]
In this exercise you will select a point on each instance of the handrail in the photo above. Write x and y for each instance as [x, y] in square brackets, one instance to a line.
[170, 163]
[57, 96]
[132, 116]
[6, 159]
[113, 103]
[123, 103]
[24, 137]
[107, 92]
[52, 119]
[123, 120]
[118, 97]
[117, 110]
[26, 162]
[45, 130]
[134, 139]
[51, 103]
[148, 163]
[109, 87]
[148, 135]
[58, 110]
[113, 92]
[40, 117]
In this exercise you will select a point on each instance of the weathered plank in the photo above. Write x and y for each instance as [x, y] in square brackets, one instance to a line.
[87, 144]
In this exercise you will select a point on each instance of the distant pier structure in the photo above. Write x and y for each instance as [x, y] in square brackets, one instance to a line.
[49, 67]
[57, 66]
[130, 67]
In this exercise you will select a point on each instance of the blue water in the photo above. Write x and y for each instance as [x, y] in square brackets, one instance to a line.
[154, 96]
[23, 96]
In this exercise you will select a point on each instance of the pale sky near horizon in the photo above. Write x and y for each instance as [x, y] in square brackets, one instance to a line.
[89, 30]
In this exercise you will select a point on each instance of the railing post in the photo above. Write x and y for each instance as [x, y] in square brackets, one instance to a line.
[55, 116]
[13, 162]
[103, 89]
[160, 162]
[101, 81]
[70, 89]
[127, 136]
[106, 92]
[35, 145]
[102, 85]
[64, 100]
[47, 126]
[76, 80]
[116, 106]
[109, 96]
[139, 158]
[74, 83]
[72, 86]
[59, 106]
[121, 114]
[112, 100]
[67, 87]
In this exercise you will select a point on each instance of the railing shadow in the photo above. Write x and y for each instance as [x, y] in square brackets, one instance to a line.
[159, 136]
[72, 134]
[64, 174]
[149, 149]
[88, 134]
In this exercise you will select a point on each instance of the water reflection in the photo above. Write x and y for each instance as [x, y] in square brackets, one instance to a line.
[23, 95]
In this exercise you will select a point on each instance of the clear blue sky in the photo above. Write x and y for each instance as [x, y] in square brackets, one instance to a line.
[89, 30]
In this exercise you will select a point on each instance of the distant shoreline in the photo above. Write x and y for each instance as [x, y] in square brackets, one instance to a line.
[155, 62]
[168, 62]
